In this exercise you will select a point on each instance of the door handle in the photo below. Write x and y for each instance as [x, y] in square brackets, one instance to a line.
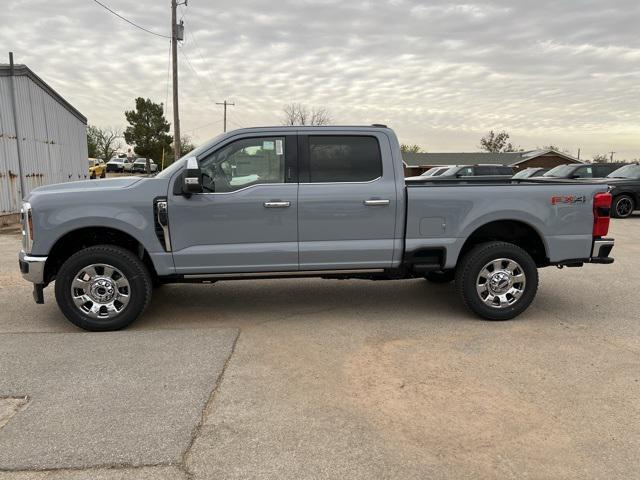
[277, 204]
[376, 203]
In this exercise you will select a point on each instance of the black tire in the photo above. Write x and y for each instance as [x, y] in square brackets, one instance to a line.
[622, 206]
[476, 260]
[139, 286]
[441, 276]
[92, 176]
[103, 174]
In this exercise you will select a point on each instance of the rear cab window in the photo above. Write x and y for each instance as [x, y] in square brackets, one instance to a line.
[343, 158]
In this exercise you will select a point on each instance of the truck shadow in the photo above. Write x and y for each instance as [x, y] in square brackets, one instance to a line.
[243, 303]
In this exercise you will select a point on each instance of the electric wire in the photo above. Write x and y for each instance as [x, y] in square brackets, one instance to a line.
[129, 21]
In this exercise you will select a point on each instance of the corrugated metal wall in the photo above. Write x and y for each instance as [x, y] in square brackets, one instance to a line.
[53, 142]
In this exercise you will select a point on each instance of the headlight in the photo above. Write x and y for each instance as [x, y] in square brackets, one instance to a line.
[26, 218]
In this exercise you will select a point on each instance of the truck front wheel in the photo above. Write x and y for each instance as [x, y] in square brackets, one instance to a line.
[103, 288]
[497, 280]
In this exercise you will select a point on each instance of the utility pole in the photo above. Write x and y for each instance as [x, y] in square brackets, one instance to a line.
[612, 156]
[176, 35]
[225, 103]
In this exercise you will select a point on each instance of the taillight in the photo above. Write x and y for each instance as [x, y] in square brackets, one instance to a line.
[601, 212]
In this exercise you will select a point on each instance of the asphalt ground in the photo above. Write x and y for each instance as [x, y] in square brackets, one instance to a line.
[339, 379]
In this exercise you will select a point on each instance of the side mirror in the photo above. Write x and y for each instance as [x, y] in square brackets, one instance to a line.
[192, 179]
[574, 176]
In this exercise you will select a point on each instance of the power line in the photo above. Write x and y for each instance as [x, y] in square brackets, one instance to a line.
[208, 71]
[204, 87]
[200, 127]
[129, 21]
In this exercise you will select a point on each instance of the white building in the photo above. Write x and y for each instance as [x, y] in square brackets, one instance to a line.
[43, 138]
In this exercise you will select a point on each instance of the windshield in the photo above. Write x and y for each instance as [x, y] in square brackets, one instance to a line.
[451, 171]
[175, 166]
[432, 171]
[560, 171]
[628, 171]
[526, 173]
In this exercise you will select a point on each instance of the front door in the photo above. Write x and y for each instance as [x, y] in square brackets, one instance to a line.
[246, 220]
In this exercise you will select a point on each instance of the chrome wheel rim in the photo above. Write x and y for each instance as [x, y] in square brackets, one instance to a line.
[100, 291]
[501, 283]
[623, 207]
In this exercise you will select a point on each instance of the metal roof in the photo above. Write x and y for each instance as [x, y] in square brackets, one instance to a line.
[23, 70]
[475, 158]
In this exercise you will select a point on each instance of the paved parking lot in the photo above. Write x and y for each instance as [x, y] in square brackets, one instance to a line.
[330, 379]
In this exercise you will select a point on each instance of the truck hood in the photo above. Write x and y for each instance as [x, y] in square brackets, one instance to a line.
[88, 185]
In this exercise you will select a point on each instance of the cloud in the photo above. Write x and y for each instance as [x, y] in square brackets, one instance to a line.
[441, 73]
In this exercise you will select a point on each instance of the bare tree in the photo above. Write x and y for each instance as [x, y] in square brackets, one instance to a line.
[404, 148]
[103, 142]
[299, 114]
[600, 158]
[496, 142]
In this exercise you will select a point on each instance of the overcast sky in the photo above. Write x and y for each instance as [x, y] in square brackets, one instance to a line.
[441, 73]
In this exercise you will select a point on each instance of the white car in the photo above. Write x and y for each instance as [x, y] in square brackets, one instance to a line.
[119, 164]
[140, 166]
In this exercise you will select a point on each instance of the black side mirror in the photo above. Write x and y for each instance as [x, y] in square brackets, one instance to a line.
[192, 178]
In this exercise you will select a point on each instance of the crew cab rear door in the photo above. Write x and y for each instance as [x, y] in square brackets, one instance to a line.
[347, 200]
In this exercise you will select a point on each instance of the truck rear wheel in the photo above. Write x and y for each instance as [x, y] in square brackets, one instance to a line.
[103, 288]
[497, 280]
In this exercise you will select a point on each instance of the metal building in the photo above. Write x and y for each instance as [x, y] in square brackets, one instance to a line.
[43, 138]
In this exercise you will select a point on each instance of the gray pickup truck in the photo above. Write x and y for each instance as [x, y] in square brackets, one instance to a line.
[328, 202]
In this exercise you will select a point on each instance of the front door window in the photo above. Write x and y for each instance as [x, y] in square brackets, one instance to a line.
[245, 162]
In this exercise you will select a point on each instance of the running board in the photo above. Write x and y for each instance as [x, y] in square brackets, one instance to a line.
[303, 273]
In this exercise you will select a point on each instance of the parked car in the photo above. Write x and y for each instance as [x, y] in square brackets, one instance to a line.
[531, 172]
[581, 170]
[460, 171]
[97, 168]
[140, 166]
[625, 183]
[432, 172]
[327, 202]
[119, 164]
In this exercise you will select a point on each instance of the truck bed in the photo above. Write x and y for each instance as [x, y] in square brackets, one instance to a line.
[444, 217]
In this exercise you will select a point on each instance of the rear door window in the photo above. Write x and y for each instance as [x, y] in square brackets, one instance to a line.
[343, 158]
[583, 172]
[486, 170]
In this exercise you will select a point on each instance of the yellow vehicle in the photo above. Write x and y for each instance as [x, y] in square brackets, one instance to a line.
[97, 168]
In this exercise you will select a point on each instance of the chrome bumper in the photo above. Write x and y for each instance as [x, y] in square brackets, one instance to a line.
[601, 249]
[32, 268]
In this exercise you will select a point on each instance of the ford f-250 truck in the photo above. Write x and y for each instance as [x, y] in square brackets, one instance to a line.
[327, 202]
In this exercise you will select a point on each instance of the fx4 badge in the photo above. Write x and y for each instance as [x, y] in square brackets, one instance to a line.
[568, 199]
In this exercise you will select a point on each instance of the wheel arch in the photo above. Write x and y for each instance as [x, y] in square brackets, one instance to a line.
[512, 231]
[83, 237]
